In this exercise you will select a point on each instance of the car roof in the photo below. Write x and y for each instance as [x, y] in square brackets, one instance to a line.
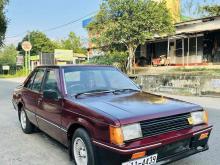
[71, 65]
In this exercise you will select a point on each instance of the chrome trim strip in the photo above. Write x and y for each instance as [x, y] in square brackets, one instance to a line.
[30, 111]
[51, 123]
[46, 121]
[126, 150]
[208, 129]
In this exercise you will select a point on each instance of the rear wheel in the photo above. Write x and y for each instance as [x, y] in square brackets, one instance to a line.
[82, 149]
[26, 125]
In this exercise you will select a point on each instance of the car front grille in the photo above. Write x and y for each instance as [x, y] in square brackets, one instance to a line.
[164, 125]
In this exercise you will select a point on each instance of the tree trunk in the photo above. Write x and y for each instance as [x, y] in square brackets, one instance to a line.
[131, 52]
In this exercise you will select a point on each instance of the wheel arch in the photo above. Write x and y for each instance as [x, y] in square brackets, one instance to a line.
[73, 127]
[70, 131]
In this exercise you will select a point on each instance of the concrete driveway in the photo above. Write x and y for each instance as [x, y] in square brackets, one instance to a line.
[17, 148]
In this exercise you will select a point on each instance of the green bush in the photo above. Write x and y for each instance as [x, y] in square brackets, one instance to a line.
[20, 73]
[117, 59]
[13, 74]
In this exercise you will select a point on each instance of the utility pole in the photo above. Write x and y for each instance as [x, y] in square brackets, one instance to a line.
[29, 53]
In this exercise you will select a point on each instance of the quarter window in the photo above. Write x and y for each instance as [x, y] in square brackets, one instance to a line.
[38, 80]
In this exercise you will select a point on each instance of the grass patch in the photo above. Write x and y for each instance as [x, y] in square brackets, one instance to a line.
[20, 73]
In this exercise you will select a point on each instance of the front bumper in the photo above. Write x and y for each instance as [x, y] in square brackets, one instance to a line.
[167, 152]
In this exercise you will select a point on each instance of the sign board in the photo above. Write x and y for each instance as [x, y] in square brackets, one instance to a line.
[26, 46]
[20, 60]
[63, 55]
[87, 21]
[6, 67]
[35, 58]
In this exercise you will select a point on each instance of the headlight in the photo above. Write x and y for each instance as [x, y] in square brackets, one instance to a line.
[132, 131]
[199, 117]
[118, 135]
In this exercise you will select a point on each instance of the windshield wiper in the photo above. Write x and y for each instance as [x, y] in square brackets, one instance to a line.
[123, 90]
[95, 91]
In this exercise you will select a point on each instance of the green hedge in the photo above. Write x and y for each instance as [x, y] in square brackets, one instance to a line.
[117, 59]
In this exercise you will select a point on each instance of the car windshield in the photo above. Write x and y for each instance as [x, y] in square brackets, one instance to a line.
[95, 79]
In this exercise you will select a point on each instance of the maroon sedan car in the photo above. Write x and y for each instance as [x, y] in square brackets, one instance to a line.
[104, 118]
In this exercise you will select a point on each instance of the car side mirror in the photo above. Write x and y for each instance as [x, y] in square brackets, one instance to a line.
[50, 94]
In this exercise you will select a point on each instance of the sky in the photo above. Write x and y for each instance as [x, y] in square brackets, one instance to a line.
[28, 15]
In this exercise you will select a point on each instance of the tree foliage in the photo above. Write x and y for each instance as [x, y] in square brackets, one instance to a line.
[40, 43]
[8, 55]
[3, 21]
[211, 10]
[73, 42]
[115, 58]
[131, 23]
[191, 9]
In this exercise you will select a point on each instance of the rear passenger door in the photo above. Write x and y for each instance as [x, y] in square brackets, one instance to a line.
[49, 112]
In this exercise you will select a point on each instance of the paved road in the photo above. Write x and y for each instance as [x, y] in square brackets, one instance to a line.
[17, 148]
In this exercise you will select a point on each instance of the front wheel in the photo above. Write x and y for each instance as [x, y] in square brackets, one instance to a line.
[82, 149]
[26, 125]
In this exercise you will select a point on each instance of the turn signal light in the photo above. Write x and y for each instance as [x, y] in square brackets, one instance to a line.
[116, 136]
[206, 117]
[204, 136]
[138, 155]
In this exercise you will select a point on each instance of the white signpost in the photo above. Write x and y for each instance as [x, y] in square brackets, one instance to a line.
[5, 68]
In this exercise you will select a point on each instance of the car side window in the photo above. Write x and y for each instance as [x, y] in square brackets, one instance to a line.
[30, 81]
[51, 81]
[38, 80]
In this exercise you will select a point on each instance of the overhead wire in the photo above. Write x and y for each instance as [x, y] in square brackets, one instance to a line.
[55, 27]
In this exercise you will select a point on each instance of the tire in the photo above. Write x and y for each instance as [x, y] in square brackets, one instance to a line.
[83, 155]
[26, 126]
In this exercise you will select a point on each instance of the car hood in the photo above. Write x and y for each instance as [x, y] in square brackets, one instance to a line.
[138, 106]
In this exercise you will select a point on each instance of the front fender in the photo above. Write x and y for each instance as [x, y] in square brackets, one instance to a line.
[84, 123]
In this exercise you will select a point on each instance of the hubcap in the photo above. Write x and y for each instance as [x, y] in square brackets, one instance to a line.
[80, 152]
[23, 120]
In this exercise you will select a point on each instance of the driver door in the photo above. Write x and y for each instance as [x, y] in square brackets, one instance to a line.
[50, 110]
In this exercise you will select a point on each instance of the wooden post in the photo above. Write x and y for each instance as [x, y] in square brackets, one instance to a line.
[168, 47]
[196, 45]
[188, 53]
[183, 58]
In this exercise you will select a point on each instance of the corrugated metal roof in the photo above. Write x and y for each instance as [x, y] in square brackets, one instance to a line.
[193, 21]
[202, 25]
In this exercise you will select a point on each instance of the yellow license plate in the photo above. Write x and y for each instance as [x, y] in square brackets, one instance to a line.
[149, 160]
